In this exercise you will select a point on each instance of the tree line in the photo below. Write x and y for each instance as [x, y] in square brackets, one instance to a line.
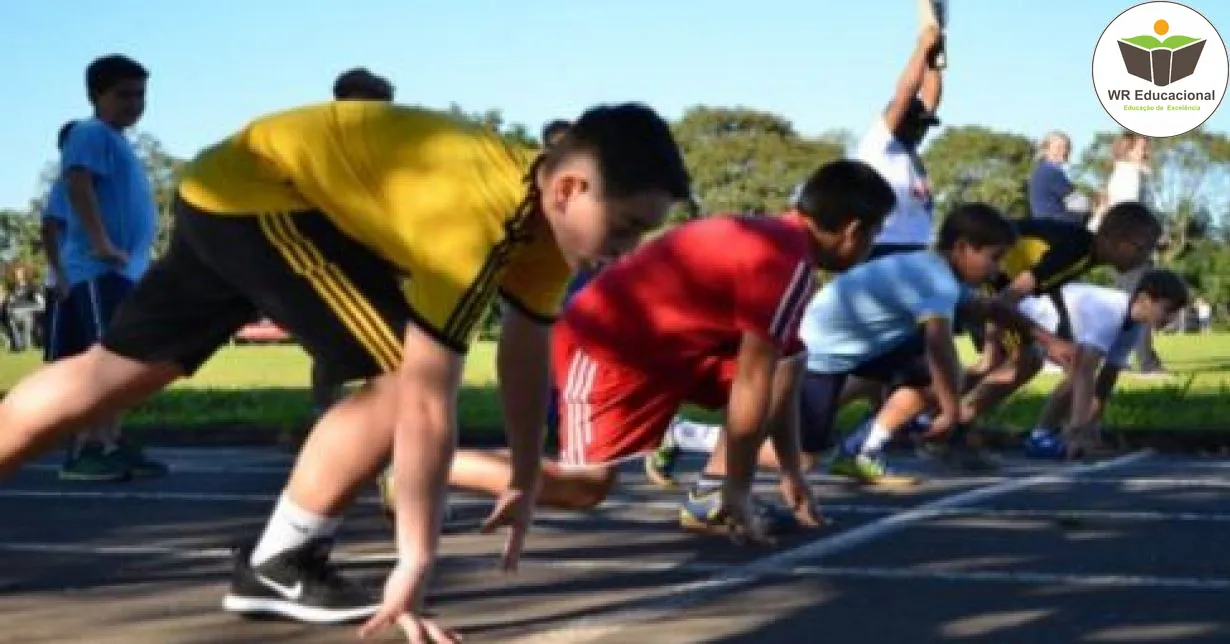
[747, 160]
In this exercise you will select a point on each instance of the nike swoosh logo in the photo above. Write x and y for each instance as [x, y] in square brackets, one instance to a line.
[292, 593]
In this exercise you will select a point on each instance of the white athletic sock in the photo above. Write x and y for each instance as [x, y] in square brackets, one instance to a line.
[695, 437]
[877, 437]
[289, 527]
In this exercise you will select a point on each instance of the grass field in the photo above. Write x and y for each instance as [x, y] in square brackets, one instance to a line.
[265, 386]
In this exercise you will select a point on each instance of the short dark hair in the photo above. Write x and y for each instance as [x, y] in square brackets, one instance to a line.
[62, 136]
[1161, 284]
[1127, 218]
[361, 84]
[108, 71]
[634, 149]
[843, 191]
[553, 129]
[978, 224]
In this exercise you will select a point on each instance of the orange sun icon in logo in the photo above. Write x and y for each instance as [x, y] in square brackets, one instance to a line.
[1161, 27]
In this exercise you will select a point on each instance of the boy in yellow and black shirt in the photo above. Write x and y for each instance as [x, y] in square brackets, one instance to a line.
[377, 234]
[1047, 255]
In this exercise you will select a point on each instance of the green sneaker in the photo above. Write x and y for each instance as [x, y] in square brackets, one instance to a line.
[140, 465]
[660, 464]
[867, 470]
[92, 464]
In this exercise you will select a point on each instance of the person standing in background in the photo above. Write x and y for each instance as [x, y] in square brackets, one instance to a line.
[891, 147]
[1130, 181]
[54, 221]
[108, 242]
[1050, 189]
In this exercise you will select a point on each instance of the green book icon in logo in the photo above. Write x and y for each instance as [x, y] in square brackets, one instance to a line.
[1161, 62]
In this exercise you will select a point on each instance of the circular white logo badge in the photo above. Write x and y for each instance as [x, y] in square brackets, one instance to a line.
[1160, 69]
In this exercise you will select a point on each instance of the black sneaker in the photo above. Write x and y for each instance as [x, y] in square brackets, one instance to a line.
[300, 584]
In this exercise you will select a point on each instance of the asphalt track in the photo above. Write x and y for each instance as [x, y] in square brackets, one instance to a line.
[1129, 549]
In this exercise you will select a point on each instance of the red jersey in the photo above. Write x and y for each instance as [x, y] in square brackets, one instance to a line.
[688, 296]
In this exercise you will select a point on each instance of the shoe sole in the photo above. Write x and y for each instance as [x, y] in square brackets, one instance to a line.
[93, 478]
[298, 612]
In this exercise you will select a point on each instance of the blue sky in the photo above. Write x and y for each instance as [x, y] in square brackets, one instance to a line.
[1019, 65]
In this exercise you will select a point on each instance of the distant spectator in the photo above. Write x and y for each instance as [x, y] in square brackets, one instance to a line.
[1130, 181]
[1204, 315]
[23, 303]
[108, 241]
[1050, 189]
[360, 84]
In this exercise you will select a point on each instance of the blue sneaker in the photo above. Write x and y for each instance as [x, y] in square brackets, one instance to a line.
[701, 512]
[1046, 445]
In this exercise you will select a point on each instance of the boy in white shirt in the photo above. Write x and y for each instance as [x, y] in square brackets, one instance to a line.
[1106, 324]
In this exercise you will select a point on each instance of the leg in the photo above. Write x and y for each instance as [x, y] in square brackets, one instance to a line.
[1001, 383]
[563, 486]
[65, 395]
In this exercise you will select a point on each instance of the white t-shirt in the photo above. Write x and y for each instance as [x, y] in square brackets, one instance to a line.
[910, 222]
[1129, 181]
[1098, 317]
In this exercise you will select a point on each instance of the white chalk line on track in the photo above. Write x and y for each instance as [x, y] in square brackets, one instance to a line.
[671, 599]
[644, 566]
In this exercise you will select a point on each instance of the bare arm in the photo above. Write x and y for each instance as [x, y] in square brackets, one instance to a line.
[1102, 389]
[1001, 312]
[424, 440]
[748, 410]
[1084, 372]
[50, 239]
[81, 195]
[945, 370]
[911, 79]
[932, 86]
[522, 364]
[784, 414]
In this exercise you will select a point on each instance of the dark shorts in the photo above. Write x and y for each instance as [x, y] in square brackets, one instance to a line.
[341, 301]
[904, 366]
[80, 321]
[884, 250]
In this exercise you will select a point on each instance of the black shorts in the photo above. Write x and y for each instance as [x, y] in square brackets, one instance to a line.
[78, 322]
[903, 366]
[340, 300]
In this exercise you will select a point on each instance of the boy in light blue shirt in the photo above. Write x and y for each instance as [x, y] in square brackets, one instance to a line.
[108, 239]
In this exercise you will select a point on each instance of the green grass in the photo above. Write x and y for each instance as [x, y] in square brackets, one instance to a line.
[266, 386]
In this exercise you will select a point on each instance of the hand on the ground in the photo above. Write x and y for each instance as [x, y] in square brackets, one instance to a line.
[514, 509]
[403, 593]
[1062, 353]
[802, 502]
[745, 527]
[1081, 441]
[941, 426]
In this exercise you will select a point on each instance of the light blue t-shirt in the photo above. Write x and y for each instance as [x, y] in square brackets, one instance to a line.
[125, 202]
[869, 310]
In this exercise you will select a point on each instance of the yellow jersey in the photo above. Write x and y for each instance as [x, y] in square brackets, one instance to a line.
[436, 197]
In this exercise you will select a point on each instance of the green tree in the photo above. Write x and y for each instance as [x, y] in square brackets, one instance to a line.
[747, 160]
[163, 170]
[975, 163]
[493, 119]
[1190, 180]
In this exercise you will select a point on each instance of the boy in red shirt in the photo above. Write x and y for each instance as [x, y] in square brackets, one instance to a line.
[704, 314]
